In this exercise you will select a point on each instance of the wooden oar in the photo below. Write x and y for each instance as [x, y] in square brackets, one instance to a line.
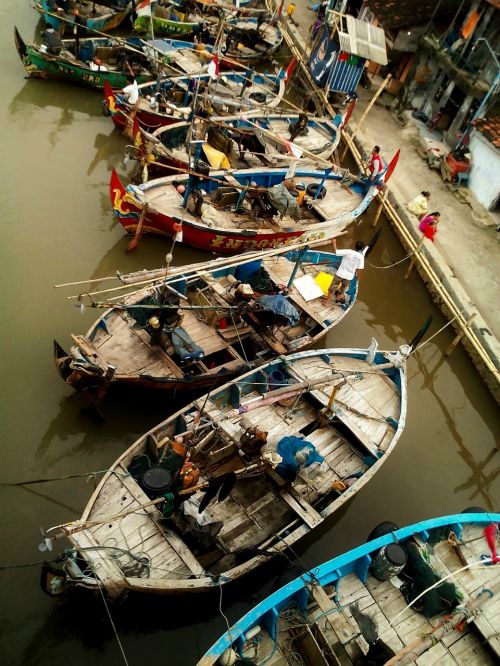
[72, 527]
[204, 267]
[138, 231]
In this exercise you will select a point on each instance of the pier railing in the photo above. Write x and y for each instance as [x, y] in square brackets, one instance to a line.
[438, 277]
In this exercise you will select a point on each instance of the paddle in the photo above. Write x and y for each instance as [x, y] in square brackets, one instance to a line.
[138, 231]
[372, 243]
[420, 333]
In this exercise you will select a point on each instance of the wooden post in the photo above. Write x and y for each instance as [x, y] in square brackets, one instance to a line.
[332, 398]
[414, 258]
[383, 197]
[460, 335]
[373, 100]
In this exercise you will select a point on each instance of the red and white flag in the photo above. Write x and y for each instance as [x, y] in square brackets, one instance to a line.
[178, 232]
[213, 67]
[289, 69]
[144, 8]
[293, 149]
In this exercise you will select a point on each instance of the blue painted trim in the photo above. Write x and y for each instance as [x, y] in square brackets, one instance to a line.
[337, 568]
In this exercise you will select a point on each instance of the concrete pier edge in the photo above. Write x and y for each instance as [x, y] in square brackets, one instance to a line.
[489, 371]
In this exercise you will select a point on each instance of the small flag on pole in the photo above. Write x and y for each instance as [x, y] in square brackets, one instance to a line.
[178, 232]
[294, 149]
[290, 68]
[213, 67]
[144, 8]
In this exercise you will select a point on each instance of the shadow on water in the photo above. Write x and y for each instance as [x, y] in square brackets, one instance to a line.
[110, 149]
[38, 95]
[81, 614]
[127, 413]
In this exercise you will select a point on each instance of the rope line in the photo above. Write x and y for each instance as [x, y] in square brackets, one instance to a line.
[112, 623]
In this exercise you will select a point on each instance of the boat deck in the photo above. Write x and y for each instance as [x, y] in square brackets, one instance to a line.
[137, 533]
[122, 343]
[342, 456]
[339, 200]
[397, 625]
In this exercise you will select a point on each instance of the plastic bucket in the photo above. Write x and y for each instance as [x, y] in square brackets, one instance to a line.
[276, 380]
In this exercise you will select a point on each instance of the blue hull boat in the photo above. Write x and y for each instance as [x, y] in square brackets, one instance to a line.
[364, 607]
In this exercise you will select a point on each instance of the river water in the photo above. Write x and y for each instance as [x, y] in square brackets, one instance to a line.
[58, 151]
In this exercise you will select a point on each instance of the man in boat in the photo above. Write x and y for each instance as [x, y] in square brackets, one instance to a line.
[131, 95]
[52, 39]
[352, 262]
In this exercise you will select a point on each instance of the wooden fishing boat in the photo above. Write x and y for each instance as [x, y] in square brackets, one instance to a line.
[103, 16]
[172, 99]
[348, 611]
[237, 142]
[228, 328]
[248, 39]
[232, 212]
[172, 19]
[113, 58]
[245, 448]
[168, 21]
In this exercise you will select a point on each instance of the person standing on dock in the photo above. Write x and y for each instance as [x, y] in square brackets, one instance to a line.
[418, 205]
[376, 168]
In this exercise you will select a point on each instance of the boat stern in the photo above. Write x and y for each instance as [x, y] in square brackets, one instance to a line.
[111, 106]
[122, 203]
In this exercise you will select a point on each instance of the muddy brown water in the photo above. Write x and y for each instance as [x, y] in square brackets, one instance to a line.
[57, 154]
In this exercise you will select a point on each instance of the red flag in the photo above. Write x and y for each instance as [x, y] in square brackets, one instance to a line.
[290, 68]
[348, 113]
[213, 67]
[392, 166]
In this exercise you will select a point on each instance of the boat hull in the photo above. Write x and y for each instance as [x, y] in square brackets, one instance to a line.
[232, 569]
[356, 561]
[221, 241]
[103, 23]
[44, 66]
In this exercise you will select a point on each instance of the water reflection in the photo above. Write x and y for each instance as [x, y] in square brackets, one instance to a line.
[37, 95]
[480, 481]
[109, 149]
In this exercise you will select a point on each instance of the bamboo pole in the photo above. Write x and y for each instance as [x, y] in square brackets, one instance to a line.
[207, 267]
[383, 197]
[404, 234]
[414, 258]
[460, 335]
[375, 97]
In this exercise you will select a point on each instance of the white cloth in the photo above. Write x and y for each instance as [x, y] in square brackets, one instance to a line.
[351, 261]
[131, 92]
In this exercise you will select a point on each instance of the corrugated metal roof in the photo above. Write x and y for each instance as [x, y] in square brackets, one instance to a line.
[394, 14]
[363, 39]
[490, 128]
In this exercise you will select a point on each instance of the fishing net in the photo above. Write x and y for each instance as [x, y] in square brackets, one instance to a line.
[418, 576]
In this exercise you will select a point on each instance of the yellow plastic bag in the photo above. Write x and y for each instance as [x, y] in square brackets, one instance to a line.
[324, 281]
[216, 158]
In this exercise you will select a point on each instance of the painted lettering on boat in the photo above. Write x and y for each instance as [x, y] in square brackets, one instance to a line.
[247, 244]
[91, 78]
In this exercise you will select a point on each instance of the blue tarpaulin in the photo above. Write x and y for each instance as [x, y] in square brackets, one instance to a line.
[287, 448]
[279, 305]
